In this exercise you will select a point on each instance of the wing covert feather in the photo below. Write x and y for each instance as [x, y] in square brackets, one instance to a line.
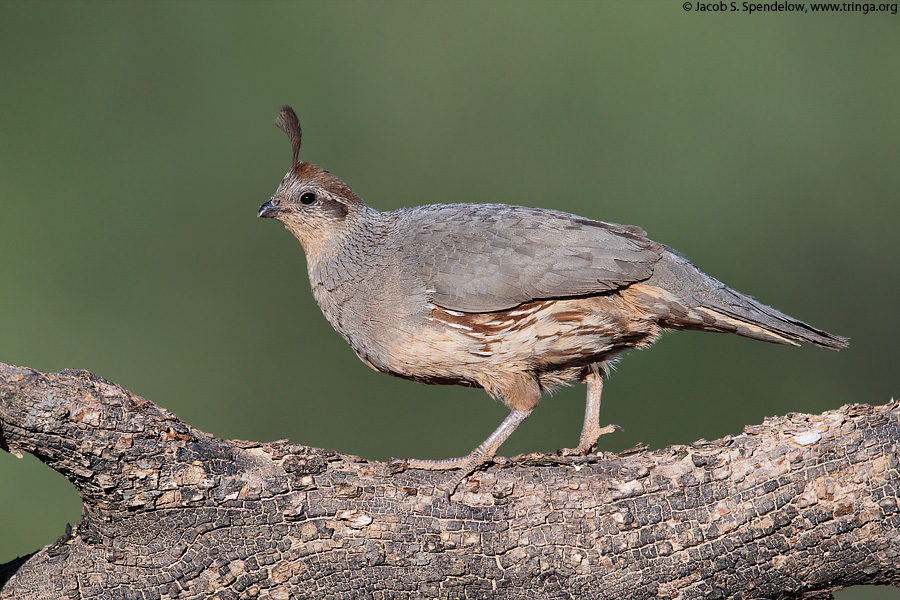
[490, 257]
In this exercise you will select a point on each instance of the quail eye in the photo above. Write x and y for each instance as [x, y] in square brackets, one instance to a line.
[308, 198]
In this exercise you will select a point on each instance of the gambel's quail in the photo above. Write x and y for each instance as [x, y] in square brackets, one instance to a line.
[515, 300]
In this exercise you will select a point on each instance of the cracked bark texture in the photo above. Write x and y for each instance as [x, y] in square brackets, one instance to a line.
[793, 508]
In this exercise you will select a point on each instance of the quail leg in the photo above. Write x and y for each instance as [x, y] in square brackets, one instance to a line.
[466, 464]
[591, 430]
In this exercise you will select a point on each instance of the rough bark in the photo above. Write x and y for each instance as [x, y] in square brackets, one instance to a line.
[793, 508]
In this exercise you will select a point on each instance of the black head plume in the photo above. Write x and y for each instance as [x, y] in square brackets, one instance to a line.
[288, 122]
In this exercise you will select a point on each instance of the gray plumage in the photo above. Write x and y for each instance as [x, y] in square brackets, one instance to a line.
[512, 299]
[490, 257]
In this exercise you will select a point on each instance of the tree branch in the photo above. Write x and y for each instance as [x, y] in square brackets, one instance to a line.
[793, 508]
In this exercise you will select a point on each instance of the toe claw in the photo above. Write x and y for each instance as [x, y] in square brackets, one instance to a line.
[454, 483]
[397, 465]
[573, 452]
[609, 429]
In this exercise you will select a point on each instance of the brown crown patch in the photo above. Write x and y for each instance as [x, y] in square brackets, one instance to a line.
[308, 173]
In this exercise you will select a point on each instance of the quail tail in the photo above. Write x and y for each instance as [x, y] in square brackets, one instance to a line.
[710, 305]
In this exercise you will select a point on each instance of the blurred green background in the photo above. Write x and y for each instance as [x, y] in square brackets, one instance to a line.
[136, 144]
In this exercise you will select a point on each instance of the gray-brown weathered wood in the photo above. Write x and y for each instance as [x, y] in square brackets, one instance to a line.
[792, 508]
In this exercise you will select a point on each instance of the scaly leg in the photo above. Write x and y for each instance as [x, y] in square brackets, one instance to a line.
[591, 430]
[466, 464]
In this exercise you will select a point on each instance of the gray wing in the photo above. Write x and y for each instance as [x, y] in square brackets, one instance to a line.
[490, 257]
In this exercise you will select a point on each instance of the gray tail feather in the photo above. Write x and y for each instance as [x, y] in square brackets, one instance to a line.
[755, 320]
[710, 305]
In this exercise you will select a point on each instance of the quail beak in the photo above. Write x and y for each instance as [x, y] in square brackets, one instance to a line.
[270, 208]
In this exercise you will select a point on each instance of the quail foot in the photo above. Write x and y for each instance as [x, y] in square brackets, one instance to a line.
[515, 300]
